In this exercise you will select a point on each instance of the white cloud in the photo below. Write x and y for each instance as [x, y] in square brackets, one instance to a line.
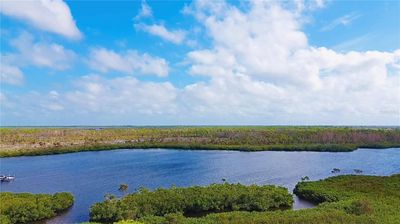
[10, 74]
[130, 62]
[174, 36]
[123, 95]
[145, 11]
[310, 4]
[40, 54]
[342, 21]
[260, 43]
[48, 15]
[28, 52]
[95, 100]
[261, 66]
[259, 69]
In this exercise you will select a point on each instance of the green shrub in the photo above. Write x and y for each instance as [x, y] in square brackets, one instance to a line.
[360, 207]
[348, 200]
[192, 201]
[128, 222]
[27, 208]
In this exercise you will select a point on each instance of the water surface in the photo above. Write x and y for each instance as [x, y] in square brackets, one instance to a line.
[90, 175]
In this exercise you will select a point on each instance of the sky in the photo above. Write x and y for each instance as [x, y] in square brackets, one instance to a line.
[314, 62]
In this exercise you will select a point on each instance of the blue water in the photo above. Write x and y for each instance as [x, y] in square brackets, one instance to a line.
[90, 175]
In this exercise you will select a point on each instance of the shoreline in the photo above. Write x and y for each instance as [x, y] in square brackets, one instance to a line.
[309, 148]
[16, 142]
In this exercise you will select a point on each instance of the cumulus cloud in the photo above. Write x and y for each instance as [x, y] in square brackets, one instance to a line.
[48, 15]
[261, 65]
[95, 100]
[174, 36]
[307, 5]
[259, 43]
[258, 69]
[130, 62]
[123, 95]
[29, 52]
[40, 54]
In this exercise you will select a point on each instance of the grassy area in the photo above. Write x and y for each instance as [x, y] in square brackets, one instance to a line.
[41, 141]
[28, 208]
[343, 199]
[192, 201]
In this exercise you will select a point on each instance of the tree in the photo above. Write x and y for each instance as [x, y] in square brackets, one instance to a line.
[305, 178]
[123, 188]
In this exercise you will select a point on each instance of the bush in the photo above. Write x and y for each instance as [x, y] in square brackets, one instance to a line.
[27, 208]
[192, 201]
[360, 207]
[348, 199]
[128, 222]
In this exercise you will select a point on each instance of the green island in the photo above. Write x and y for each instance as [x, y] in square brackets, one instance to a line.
[42, 141]
[29, 208]
[342, 199]
[192, 201]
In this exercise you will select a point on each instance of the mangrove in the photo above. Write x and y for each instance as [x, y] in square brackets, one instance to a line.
[40, 141]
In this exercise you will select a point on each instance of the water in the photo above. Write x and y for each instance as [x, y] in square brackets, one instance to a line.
[90, 175]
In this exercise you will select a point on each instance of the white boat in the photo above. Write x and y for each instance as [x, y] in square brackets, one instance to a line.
[7, 177]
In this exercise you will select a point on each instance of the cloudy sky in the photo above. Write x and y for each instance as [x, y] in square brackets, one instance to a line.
[255, 62]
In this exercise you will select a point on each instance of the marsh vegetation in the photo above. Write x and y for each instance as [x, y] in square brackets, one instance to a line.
[192, 201]
[28, 208]
[342, 199]
[39, 141]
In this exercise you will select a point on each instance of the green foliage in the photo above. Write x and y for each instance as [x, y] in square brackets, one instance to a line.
[307, 216]
[359, 207]
[123, 187]
[372, 196]
[344, 199]
[39, 141]
[27, 208]
[192, 201]
[128, 222]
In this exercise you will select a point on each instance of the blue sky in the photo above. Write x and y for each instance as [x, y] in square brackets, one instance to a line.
[200, 63]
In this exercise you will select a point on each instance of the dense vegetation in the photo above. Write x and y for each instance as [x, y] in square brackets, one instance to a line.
[28, 208]
[192, 201]
[37, 141]
[372, 196]
[343, 199]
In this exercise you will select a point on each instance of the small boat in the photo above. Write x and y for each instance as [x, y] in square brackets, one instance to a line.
[6, 178]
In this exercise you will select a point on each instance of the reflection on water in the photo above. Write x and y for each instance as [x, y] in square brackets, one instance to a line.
[90, 175]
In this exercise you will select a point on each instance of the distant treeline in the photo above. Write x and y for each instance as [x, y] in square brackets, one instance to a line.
[38, 141]
[29, 208]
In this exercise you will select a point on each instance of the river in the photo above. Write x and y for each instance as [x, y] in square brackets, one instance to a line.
[91, 175]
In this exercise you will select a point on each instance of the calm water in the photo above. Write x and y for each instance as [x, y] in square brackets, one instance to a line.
[90, 175]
